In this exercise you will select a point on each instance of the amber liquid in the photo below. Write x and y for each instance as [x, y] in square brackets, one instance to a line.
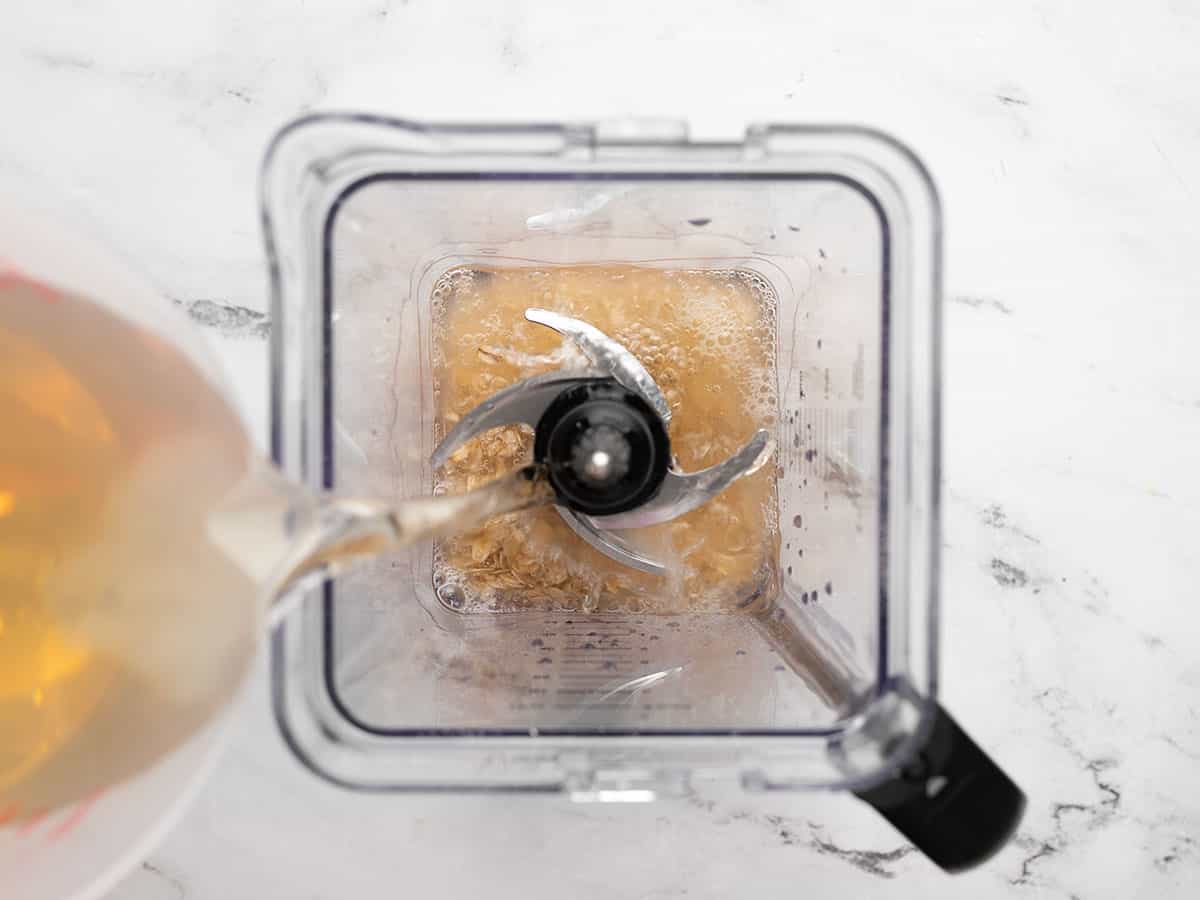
[121, 627]
[707, 338]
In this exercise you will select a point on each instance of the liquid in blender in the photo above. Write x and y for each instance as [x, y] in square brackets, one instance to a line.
[707, 337]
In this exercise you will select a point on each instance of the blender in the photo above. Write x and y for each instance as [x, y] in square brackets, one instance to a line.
[824, 676]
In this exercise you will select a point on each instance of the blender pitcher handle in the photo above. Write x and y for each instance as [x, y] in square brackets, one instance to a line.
[951, 800]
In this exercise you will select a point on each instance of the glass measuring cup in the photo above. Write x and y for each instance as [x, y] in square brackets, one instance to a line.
[142, 540]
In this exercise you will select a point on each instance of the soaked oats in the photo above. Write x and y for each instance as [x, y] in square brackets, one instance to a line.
[707, 338]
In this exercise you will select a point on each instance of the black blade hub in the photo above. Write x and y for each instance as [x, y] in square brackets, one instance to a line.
[606, 450]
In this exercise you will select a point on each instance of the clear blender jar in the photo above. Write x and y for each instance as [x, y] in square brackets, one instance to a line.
[828, 677]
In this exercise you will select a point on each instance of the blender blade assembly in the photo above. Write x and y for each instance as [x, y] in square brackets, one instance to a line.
[602, 432]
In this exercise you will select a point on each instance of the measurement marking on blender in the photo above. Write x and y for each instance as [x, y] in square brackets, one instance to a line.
[603, 676]
[597, 652]
[590, 654]
[607, 665]
[609, 632]
[594, 687]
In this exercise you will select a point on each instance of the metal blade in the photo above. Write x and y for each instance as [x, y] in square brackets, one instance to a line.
[681, 493]
[607, 355]
[610, 543]
[522, 403]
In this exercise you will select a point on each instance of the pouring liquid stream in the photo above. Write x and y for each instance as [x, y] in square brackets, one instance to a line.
[319, 536]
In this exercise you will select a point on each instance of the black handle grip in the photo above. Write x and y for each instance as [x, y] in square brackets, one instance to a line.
[952, 801]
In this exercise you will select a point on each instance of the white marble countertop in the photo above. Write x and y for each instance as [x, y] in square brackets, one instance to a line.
[1066, 143]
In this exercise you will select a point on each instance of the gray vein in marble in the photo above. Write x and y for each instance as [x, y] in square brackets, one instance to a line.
[1171, 742]
[385, 9]
[872, 862]
[1015, 100]
[1070, 820]
[1170, 166]
[1040, 851]
[175, 884]
[510, 51]
[795, 833]
[1053, 702]
[994, 516]
[227, 318]
[180, 83]
[53, 60]
[977, 302]
[1008, 575]
[1181, 847]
